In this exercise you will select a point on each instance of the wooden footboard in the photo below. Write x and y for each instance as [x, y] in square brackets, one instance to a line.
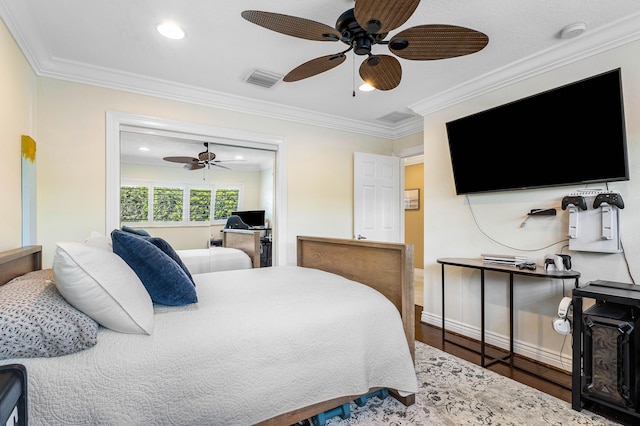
[386, 267]
[246, 240]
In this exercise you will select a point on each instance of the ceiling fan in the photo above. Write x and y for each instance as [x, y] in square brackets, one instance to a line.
[205, 159]
[366, 25]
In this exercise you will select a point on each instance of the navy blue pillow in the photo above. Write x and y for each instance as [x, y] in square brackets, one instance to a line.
[135, 231]
[169, 251]
[165, 281]
[166, 248]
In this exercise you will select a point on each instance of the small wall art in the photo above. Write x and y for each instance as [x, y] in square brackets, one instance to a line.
[412, 199]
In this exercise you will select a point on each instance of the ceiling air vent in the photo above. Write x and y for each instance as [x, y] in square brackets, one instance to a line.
[263, 78]
[396, 117]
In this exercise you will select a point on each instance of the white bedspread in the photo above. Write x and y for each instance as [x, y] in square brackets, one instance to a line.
[260, 342]
[200, 261]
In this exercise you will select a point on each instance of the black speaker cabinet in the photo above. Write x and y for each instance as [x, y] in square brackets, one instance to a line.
[611, 364]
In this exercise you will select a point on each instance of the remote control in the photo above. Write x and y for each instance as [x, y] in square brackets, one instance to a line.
[531, 266]
[611, 198]
[576, 200]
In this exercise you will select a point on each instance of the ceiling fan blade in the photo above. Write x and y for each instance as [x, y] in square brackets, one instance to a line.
[385, 75]
[382, 16]
[193, 166]
[314, 67]
[219, 165]
[187, 160]
[291, 25]
[430, 42]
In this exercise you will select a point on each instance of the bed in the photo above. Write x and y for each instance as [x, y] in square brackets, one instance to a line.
[261, 346]
[215, 259]
[240, 250]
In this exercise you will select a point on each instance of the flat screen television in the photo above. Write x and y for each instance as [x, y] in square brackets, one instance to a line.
[253, 218]
[570, 135]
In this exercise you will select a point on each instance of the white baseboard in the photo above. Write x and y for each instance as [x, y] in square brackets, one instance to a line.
[533, 352]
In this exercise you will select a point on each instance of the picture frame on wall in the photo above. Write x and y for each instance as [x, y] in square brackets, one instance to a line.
[412, 199]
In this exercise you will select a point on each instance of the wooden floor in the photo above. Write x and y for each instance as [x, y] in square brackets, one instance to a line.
[558, 382]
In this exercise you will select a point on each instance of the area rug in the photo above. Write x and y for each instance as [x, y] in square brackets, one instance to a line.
[454, 392]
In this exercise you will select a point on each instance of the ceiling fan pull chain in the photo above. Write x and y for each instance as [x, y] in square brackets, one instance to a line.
[353, 76]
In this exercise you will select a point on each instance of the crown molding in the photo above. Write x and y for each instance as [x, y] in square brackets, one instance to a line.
[111, 79]
[46, 65]
[601, 40]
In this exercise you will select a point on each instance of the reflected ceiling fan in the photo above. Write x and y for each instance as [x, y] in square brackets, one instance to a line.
[366, 25]
[205, 159]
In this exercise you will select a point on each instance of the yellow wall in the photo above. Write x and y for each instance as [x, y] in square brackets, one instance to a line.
[17, 104]
[414, 219]
[71, 126]
[68, 122]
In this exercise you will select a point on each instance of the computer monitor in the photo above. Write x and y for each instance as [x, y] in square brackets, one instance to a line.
[253, 218]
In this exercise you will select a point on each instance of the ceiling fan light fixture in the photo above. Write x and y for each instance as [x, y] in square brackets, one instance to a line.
[362, 46]
[366, 87]
[171, 30]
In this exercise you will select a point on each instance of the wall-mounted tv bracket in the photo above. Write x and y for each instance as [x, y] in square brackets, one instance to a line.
[574, 202]
[607, 201]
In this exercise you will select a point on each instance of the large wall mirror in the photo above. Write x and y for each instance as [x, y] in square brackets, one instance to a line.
[181, 182]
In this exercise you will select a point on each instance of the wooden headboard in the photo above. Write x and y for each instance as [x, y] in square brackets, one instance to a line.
[386, 267]
[16, 262]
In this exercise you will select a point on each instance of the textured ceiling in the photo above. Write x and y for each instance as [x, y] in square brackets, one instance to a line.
[113, 43]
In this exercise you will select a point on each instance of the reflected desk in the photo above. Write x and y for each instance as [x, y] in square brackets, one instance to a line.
[539, 272]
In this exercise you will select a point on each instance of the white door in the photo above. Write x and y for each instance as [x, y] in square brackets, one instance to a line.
[376, 197]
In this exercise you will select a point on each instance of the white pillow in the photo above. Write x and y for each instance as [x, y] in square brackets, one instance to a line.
[102, 285]
[97, 239]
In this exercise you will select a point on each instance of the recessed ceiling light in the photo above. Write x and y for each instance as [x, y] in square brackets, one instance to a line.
[170, 30]
[239, 157]
[573, 30]
[143, 148]
[366, 87]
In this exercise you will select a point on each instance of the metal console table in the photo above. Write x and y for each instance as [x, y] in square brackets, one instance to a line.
[479, 264]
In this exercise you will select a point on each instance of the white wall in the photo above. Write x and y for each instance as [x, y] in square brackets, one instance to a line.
[266, 194]
[457, 226]
[71, 173]
[17, 109]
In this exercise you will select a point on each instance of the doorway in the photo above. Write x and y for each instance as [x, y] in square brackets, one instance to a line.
[414, 219]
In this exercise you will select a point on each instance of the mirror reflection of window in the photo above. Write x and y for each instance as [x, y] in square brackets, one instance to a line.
[188, 200]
